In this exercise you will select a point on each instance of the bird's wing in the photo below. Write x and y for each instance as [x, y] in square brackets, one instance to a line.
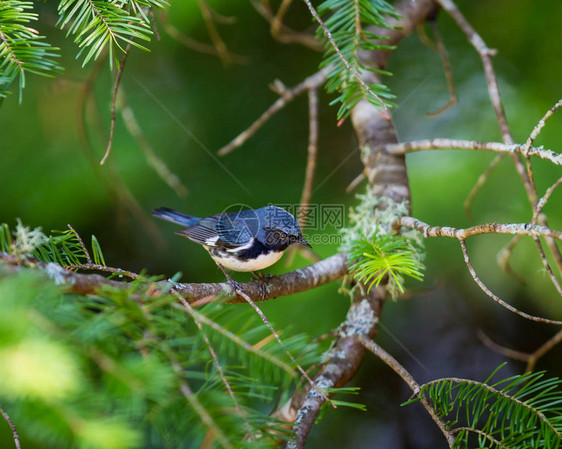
[238, 228]
[221, 231]
[204, 232]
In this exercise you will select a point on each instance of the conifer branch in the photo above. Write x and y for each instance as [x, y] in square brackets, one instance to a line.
[491, 408]
[344, 76]
[97, 25]
[22, 48]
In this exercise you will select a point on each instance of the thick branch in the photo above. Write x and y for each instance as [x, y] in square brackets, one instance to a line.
[387, 178]
[285, 284]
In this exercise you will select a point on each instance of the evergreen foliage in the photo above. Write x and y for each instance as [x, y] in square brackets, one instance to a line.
[375, 251]
[384, 255]
[99, 24]
[22, 48]
[522, 411]
[347, 24]
[131, 367]
[95, 24]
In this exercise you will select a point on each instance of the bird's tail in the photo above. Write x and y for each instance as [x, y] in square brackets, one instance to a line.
[175, 217]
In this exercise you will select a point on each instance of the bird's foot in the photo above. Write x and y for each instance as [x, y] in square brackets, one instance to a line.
[236, 286]
[262, 276]
[262, 279]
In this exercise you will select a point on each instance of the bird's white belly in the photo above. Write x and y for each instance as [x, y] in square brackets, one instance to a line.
[259, 263]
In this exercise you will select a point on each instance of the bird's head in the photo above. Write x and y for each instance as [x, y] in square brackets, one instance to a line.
[280, 228]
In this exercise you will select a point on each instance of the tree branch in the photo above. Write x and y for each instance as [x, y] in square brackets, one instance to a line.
[455, 144]
[114, 102]
[489, 228]
[387, 178]
[285, 284]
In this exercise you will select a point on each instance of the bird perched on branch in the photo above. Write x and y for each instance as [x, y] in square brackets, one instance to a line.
[245, 240]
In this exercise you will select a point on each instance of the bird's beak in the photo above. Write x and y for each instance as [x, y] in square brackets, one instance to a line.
[304, 242]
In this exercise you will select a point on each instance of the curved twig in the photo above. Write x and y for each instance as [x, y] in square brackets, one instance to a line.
[114, 102]
[408, 378]
[12, 427]
[497, 298]
[287, 96]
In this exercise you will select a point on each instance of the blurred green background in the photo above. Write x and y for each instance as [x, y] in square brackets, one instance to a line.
[50, 178]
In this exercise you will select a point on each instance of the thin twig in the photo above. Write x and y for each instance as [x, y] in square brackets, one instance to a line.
[95, 267]
[191, 397]
[154, 26]
[277, 21]
[540, 125]
[480, 183]
[310, 168]
[12, 426]
[456, 144]
[353, 184]
[286, 34]
[493, 90]
[278, 338]
[88, 258]
[110, 178]
[408, 378]
[503, 259]
[287, 96]
[529, 229]
[196, 45]
[217, 40]
[218, 366]
[496, 347]
[497, 298]
[448, 71]
[547, 266]
[114, 102]
[542, 202]
[531, 358]
[541, 218]
[151, 157]
[233, 337]
[542, 350]
[482, 433]
[486, 54]
[312, 150]
[537, 216]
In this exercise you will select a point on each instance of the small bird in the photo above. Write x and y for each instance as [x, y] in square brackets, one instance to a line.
[246, 240]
